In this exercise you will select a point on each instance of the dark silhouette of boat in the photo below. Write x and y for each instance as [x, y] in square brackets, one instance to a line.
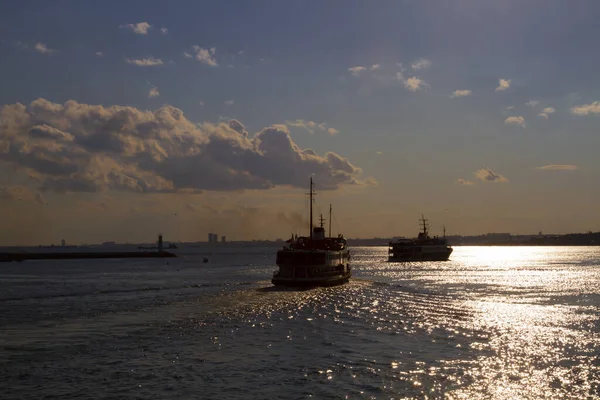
[421, 248]
[316, 260]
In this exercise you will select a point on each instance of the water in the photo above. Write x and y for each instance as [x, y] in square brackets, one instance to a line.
[493, 323]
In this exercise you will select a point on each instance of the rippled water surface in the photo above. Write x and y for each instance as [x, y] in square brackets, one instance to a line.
[492, 323]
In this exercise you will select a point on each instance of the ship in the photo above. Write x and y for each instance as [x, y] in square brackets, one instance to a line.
[421, 248]
[314, 260]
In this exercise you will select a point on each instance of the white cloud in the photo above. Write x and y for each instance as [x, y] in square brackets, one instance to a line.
[546, 112]
[487, 175]
[356, 70]
[153, 92]
[558, 167]
[414, 84]
[503, 84]
[532, 103]
[145, 62]
[421, 64]
[76, 147]
[312, 126]
[164, 31]
[375, 67]
[592, 108]
[510, 107]
[229, 102]
[515, 121]
[463, 182]
[42, 48]
[461, 93]
[100, 54]
[205, 56]
[187, 55]
[141, 28]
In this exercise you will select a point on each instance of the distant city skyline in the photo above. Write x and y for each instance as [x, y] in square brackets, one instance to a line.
[119, 121]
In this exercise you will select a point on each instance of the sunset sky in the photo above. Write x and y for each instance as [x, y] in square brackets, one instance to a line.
[119, 120]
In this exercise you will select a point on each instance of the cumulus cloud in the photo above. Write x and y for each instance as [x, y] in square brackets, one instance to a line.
[205, 56]
[463, 182]
[414, 84]
[312, 126]
[375, 67]
[42, 48]
[141, 28]
[532, 103]
[515, 121]
[164, 31]
[546, 112]
[461, 93]
[153, 92]
[356, 70]
[487, 175]
[592, 108]
[145, 62]
[421, 64]
[503, 84]
[558, 167]
[76, 147]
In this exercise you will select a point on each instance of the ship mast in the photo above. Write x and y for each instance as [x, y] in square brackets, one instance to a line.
[310, 194]
[330, 220]
[424, 224]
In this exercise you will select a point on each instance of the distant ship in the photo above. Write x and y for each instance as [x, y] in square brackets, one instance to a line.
[316, 260]
[422, 248]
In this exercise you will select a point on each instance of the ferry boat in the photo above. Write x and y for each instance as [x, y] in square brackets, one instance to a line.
[421, 248]
[315, 260]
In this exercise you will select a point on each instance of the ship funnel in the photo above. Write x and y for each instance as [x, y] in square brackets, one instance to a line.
[319, 233]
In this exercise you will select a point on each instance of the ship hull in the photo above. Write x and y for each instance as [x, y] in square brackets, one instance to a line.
[312, 282]
[442, 255]
[420, 257]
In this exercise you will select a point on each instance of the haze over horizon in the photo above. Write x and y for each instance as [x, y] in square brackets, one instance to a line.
[119, 121]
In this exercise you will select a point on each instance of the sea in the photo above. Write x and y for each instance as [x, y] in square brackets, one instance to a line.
[491, 323]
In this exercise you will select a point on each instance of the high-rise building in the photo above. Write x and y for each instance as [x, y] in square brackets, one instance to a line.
[63, 243]
[223, 239]
[213, 238]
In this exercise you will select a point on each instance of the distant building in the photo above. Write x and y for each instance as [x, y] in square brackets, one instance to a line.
[63, 243]
[213, 238]
[223, 239]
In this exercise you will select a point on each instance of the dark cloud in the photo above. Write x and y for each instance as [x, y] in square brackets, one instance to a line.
[238, 127]
[81, 147]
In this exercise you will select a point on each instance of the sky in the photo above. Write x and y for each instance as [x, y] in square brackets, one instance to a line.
[120, 120]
